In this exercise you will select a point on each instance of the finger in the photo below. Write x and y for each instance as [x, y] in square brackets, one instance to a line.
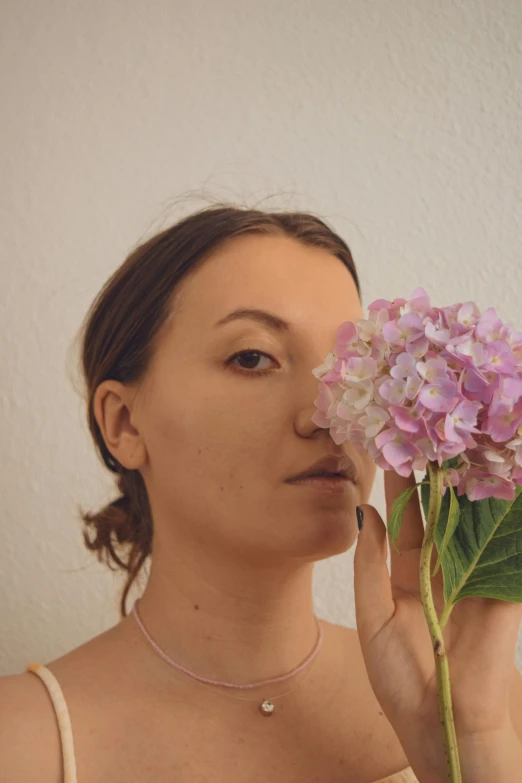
[374, 603]
[405, 570]
[412, 528]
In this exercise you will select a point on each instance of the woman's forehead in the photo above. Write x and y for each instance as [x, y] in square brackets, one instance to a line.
[297, 283]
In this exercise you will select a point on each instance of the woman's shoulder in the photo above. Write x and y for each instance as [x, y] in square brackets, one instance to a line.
[347, 641]
[30, 746]
[343, 631]
[30, 742]
[364, 713]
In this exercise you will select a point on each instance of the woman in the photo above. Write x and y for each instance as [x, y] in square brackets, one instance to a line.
[198, 356]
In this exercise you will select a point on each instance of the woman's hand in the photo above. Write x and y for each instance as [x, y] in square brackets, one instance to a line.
[480, 639]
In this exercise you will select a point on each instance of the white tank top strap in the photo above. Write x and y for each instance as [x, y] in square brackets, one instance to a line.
[62, 716]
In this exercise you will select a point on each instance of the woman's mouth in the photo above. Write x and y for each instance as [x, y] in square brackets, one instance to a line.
[330, 483]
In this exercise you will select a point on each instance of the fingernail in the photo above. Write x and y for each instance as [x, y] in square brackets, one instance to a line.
[360, 517]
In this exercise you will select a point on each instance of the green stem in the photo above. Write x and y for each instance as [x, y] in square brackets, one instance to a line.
[439, 649]
[443, 619]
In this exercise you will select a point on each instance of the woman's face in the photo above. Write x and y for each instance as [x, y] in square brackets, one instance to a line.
[222, 434]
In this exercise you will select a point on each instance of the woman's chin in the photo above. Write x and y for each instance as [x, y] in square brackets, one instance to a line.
[332, 537]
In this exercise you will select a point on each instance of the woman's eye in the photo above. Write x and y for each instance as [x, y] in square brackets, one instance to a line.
[249, 357]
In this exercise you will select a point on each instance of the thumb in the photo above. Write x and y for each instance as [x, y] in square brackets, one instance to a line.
[374, 604]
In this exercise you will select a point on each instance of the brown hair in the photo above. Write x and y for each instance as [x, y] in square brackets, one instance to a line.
[118, 340]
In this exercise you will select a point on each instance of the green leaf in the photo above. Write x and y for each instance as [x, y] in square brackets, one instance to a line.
[398, 509]
[483, 557]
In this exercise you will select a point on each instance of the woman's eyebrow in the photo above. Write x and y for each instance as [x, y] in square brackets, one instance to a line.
[274, 322]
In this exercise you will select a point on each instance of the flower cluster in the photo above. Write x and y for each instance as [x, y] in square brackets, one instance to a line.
[415, 383]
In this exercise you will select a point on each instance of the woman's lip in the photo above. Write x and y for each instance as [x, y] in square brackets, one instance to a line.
[325, 483]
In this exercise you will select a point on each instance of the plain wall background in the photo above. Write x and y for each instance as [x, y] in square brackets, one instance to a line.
[398, 121]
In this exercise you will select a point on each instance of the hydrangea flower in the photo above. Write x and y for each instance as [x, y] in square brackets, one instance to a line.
[438, 389]
[415, 383]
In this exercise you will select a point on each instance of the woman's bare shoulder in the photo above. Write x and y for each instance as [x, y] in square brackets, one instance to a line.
[30, 743]
[362, 705]
[345, 638]
[343, 630]
[29, 738]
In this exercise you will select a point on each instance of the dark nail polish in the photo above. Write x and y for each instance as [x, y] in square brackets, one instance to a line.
[360, 517]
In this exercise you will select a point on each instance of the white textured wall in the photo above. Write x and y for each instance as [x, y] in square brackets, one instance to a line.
[399, 121]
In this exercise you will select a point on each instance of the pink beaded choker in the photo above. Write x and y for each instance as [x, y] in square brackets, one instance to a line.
[266, 707]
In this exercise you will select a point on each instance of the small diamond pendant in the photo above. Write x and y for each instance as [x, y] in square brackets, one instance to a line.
[266, 708]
